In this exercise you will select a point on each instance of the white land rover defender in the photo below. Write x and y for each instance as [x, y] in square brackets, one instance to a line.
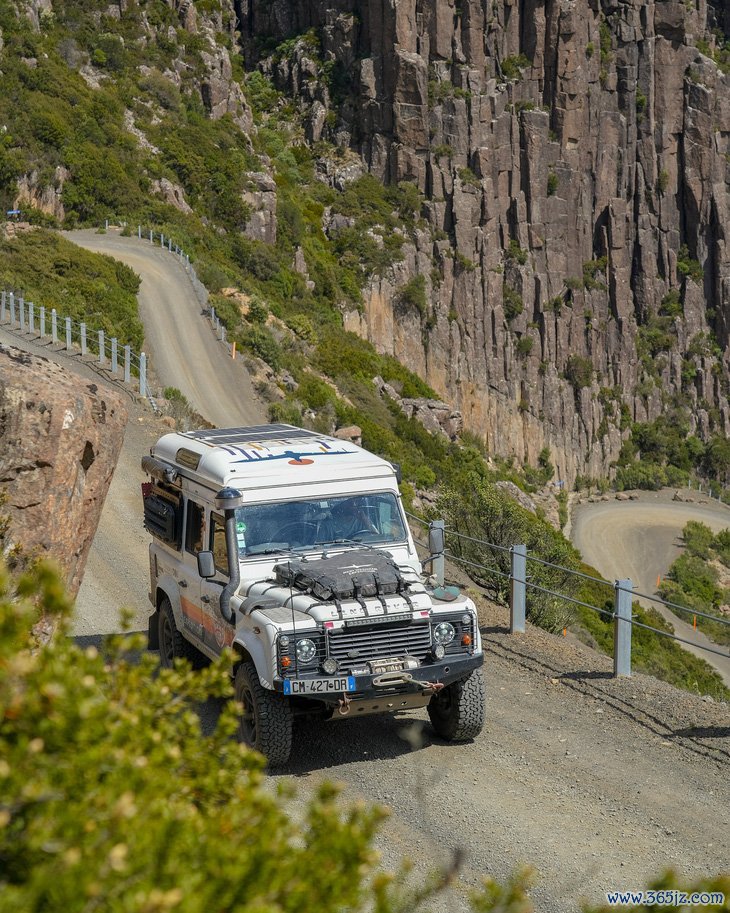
[292, 549]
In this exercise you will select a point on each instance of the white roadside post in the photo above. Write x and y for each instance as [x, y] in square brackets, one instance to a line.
[115, 365]
[68, 333]
[102, 348]
[622, 628]
[518, 588]
[142, 374]
[54, 326]
[82, 332]
[43, 322]
[21, 311]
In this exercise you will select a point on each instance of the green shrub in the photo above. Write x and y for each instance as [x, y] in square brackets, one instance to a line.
[513, 66]
[512, 302]
[259, 341]
[413, 295]
[516, 253]
[671, 304]
[552, 184]
[524, 345]
[579, 372]
[687, 267]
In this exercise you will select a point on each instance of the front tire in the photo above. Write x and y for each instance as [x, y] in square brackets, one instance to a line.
[171, 642]
[266, 723]
[457, 711]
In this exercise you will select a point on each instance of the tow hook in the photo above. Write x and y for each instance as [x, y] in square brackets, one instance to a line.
[344, 705]
[433, 687]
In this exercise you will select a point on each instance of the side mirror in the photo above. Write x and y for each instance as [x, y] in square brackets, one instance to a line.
[206, 565]
[436, 539]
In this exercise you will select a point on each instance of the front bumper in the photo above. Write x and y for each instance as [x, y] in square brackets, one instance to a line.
[413, 681]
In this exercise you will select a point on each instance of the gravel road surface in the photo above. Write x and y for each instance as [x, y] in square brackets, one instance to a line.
[182, 347]
[597, 783]
[640, 540]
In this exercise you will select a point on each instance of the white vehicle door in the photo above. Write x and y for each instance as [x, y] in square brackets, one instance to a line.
[189, 580]
[218, 633]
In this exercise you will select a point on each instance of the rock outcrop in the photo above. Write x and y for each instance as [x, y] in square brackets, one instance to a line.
[60, 436]
[575, 161]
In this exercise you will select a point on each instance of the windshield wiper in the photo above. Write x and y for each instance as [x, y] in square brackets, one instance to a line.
[282, 549]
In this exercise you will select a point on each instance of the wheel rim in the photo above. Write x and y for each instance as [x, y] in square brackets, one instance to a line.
[167, 650]
[248, 717]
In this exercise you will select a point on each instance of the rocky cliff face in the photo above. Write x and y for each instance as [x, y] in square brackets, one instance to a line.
[575, 159]
[59, 441]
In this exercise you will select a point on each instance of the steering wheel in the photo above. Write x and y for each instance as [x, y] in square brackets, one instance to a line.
[298, 532]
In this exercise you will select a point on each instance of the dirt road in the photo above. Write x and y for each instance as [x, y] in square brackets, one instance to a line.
[639, 540]
[182, 347]
[596, 782]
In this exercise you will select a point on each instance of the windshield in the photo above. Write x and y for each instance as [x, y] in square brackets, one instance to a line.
[368, 519]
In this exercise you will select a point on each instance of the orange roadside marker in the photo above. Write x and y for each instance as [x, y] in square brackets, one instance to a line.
[233, 349]
[694, 622]
[565, 632]
[658, 576]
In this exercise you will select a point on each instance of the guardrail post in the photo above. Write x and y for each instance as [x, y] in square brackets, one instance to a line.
[21, 311]
[31, 317]
[82, 331]
[127, 365]
[622, 628]
[142, 374]
[169, 244]
[12, 309]
[162, 239]
[518, 588]
[68, 334]
[438, 568]
[54, 326]
[115, 366]
[43, 322]
[102, 348]
[151, 238]
[139, 232]
[3, 298]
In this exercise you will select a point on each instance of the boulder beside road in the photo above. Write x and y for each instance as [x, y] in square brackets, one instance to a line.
[60, 436]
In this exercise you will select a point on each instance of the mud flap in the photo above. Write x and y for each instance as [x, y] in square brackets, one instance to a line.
[153, 632]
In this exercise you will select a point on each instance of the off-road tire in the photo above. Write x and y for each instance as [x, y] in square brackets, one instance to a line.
[171, 642]
[267, 721]
[457, 711]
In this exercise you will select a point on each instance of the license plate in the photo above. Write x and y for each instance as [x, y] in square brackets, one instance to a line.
[319, 685]
[388, 665]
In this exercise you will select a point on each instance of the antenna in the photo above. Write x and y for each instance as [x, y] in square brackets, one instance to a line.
[293, 619]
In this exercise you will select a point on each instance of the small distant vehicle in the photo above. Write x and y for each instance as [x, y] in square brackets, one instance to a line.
[292, 549]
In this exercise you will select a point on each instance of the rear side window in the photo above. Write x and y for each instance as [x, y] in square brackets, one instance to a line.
[194, 528]
[218, 543]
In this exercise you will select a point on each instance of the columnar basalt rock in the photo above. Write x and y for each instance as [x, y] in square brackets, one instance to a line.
[60, 437]
[592, 134]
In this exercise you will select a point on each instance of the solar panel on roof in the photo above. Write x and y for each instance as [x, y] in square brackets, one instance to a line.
[252, 434]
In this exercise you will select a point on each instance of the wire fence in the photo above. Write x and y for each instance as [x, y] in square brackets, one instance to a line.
[520, 582]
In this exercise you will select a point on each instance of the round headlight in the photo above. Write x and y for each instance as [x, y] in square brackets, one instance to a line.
[306, 650]
[444, 633]
[438, 651]
[330, 665]
[284, 641]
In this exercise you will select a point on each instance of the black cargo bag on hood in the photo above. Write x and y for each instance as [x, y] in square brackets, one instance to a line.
[351, 574]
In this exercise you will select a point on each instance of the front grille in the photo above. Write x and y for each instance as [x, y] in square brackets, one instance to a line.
[414, 640]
